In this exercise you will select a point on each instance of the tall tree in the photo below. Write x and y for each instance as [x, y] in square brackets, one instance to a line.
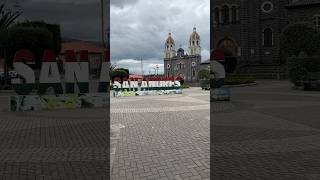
[7, 17]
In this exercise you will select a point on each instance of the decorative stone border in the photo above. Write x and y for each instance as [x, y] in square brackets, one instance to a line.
[62, 101]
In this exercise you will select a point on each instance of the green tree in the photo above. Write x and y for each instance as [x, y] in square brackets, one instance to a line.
[119, 73]
[35, 39]
[53, 28]
[7, 17]
[204, 74]
[299, 38]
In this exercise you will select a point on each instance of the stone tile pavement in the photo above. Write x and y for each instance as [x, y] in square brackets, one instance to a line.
[163, 137]
[268, 131]
[63, 144]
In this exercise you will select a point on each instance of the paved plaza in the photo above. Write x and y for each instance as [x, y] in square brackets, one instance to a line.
[161, 137]
[53, 145]
[267, 131]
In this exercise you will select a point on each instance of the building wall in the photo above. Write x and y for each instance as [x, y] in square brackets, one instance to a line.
[189, 64]
[247, 32]
[303, 14]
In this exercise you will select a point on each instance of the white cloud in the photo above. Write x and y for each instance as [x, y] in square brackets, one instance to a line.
[140, 28]
[149, 66]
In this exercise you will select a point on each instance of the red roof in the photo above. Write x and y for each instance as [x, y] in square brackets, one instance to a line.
[77, 46]
[134, 76]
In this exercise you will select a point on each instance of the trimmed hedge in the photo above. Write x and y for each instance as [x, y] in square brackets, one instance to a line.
[239, 79]
[204, 74]
[184, 86]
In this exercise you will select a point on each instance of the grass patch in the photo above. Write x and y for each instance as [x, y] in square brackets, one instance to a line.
[239, 79]
[184, 86]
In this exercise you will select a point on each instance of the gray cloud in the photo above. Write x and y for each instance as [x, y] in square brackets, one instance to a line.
[122, 3]
[79, 19]
[140, 29]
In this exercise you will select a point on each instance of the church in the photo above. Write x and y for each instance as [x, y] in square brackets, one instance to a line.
[181, 63]
[249, 32]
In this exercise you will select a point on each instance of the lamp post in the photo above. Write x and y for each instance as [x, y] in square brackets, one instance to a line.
[141, 67]
[157, 66]
[155, 71]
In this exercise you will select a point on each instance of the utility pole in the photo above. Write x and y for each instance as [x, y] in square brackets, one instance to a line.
[102, 25]
[141, 66]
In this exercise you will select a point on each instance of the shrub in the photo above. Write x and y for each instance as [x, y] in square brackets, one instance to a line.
[204, 74]
[239, 79]
[53, 28]
[119, 74]
[35, 39]
[184, 86]
[299, 38]
[300, 66]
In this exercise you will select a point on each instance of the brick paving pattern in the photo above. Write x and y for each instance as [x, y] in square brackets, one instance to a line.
[271, 132]
[62, 144]
[163, 137]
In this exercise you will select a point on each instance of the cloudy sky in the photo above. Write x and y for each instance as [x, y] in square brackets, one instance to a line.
[79, 19]
[139, 29]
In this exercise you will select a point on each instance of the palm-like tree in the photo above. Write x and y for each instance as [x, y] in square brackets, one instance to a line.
[113, 67]
[7, 17]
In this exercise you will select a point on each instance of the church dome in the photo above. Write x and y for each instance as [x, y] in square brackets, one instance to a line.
[169, 39]
[180, 49]
[194, 36]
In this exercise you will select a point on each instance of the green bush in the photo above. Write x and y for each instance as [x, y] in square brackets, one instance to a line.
[299, 38]
[35, 39]
[300, 66]
[239, 79]
[184, 86]
[119, 73]
[53, 28]
[204, 74]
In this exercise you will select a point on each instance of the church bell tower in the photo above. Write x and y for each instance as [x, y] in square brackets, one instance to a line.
[194, 43]
[170, 51]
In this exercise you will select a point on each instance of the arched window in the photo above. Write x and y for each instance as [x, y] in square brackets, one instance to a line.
[217, 15]
[193, 73]
[225, 14]
[316, 21]
[234, 14]
[267, 37]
